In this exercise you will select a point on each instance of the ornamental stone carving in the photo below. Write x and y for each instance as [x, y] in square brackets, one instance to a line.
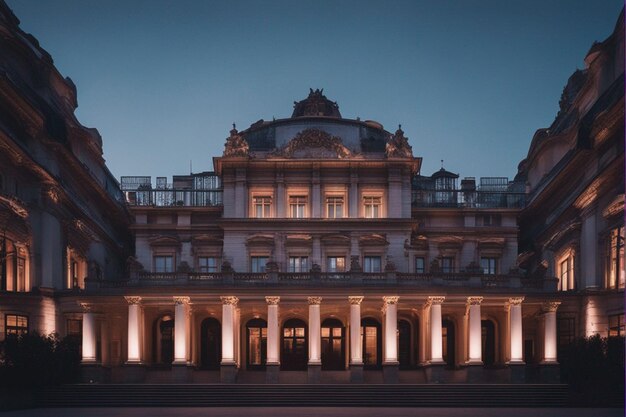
[229, 300]
[181, 300]
[314, 300]
[133, 299]
[86, 307]
[435, 300]
[474, 301]
[313, 143]
[391, 299]
[236, 145]
[355, 300]
[550, 306]
[272, 300]
[398, 146]
[516, 301]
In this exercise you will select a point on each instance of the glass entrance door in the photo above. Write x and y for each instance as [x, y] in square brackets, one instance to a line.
[371, 339]
[295, 350]
[333, 345]
[256, 330]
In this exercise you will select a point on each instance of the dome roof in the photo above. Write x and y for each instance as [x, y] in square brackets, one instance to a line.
[315, 105]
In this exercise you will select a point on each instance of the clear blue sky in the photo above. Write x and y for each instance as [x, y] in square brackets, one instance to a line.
[469, 80]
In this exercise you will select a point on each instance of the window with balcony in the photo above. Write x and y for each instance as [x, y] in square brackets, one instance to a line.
[371, 264]
[447, 264]
[15, 324]
[258, 263]
[565, 270]
[334, 207]
[262, 206]
[163, 264]
[489, 265]
[298, 264]
[297, 207]
[420, 265]
[372, 207]
[335, 264]
[616, 325]
[615, 271]
[208, 264]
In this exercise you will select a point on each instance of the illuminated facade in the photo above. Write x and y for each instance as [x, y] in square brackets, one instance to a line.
[316, 250]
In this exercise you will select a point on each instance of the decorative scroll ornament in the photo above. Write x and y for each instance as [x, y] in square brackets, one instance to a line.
[398, 145]
[391, 299]
[355, 300]
[314, 300]
[435, 300]
[474, 301]
[236, 145]
[18, 207]
[86, 307]
[181, 300]
[313, 143]
[229, 300]
[516, 301]
[272, 300]
[133, 300]
[550, 306]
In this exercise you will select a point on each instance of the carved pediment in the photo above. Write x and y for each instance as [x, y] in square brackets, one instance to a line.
[313, 143]
[260, 240]
[373, 239]
[298, 240]
[336, 239]
[164, 241]
[207, 240]
[449, 242]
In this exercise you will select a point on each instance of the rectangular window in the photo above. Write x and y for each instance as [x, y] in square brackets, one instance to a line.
[262, 206]
[207, 264]
[163, 264]
[616, 325]
[334, 207]
[489, 265]
[615, 271]
[371, 264]
[447, 264]
[297, 207]
[257, 263]
[420, 265]
[16, 324]
[566, 273]
[372, 207]
[21, 274]
[298, 264]
[335, 264]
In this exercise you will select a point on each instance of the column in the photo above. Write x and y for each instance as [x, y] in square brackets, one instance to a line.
[353, 203]
[515, 330]
[316, 193]
[475, 333]
[280, 195]
[89, 335]
[315, 340]
[436, 339]
[390, 309]
[180, 330]
[134, 330]
[549, 339]
[228, 368]
[356, 347]
[273, 334]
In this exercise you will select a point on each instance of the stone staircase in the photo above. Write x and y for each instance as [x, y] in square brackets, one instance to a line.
[292, 395]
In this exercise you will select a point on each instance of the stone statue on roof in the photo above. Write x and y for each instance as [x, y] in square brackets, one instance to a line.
[398, 145]
[236, 145]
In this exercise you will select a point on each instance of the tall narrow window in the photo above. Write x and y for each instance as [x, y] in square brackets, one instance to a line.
[262, 206]
[207, 264]
[489, 265]
[334, 206]
[616, 325]
[257, 263]
[336, 264]
[566, 273]
[420, 265]
[21, 274]
[371, 264]
[163, 264]
[74, 274]
[615, 271]
[297, 207]
[447, 264]
[372, 207]
[16, 324]
[298, 264]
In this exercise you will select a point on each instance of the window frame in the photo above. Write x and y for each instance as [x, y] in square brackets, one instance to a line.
[451, 269]
[301, 267]
[421, 270]
[368, 200]
[491, 269]
[207, 269]
[337, 200]
[255, 268]
[16, 329]
[618, 326]
[368, 266]
[157, 256]
[298, 202]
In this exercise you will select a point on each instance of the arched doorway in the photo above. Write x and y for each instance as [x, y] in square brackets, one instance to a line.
[371, 337]
[448, 336]
[210, 344]
[164, 340]
[256, 340]
[404, 344]
[295, 346]
[488, 336]
[333, 334]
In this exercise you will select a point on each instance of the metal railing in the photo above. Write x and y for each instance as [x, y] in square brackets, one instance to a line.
[471, 199]
[174, 197]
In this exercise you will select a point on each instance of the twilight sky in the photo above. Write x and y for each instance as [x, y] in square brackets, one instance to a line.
[470, 80]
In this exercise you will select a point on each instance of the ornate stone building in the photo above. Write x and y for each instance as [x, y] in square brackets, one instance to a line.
[316, 250]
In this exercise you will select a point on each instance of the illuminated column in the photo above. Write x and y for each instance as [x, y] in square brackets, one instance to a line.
[391, 329]
[475, 333]
[134, 329]
[315, 340]
[515, 330]
[356, 347]
[273, 335]
[180, 329]
[89, 334]
[436, 339]
[228, 329]
[549, 338]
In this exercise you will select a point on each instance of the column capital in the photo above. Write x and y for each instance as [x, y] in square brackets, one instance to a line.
[474, 301]
[181, 300]
[314, 300]
[355, 299]
[392, 299]
[272, 300]
[516, 301]
[229, 300]
[550, 306]
[86, 307]
[132, 299]
[435, 300]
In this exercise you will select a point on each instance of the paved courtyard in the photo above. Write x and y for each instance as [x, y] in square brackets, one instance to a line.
[317, 412]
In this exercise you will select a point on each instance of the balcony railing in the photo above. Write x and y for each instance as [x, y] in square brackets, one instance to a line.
[513, 282]
[174, 197]
[470, 199]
